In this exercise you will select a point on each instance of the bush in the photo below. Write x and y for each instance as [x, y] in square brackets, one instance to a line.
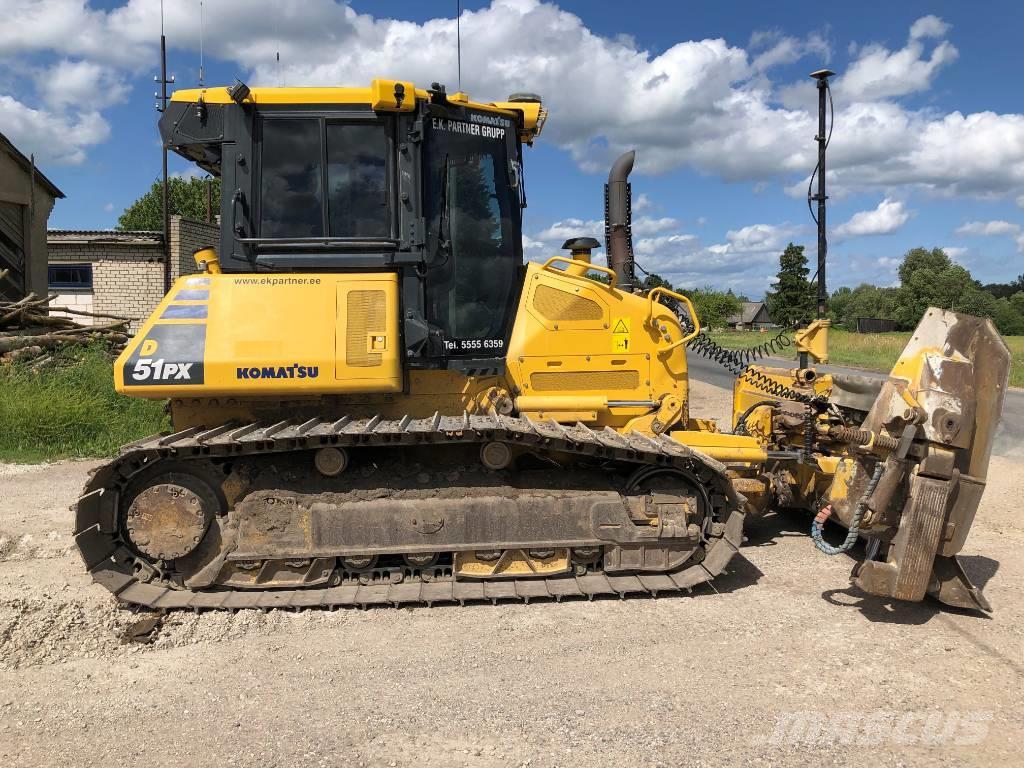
[714, 307]
[70, 410]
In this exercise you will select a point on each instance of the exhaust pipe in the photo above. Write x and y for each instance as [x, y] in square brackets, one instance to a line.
[618, 235]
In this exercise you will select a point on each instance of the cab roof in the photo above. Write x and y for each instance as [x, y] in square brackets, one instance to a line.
[381, 96]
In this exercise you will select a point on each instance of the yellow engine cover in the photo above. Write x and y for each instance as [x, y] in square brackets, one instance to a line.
[267, 334]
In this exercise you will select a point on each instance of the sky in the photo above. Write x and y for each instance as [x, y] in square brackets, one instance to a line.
[927, 148]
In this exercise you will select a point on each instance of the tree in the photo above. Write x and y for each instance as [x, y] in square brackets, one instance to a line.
[185, 197]
[791, 299]
[654, 280]
[1008, 315]
[866, 300]
[1006, 290]
[932, 279]
[713, 307]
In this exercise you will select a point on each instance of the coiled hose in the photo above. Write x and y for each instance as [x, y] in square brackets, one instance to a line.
[739, 363]
[858, 514]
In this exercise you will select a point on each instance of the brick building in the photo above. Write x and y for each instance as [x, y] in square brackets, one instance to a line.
[121, 273]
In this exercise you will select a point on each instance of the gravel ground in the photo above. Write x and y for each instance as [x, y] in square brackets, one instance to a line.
[781, 663]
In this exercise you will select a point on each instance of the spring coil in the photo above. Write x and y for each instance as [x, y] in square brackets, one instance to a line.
[810, 430]
[705, 347]
[739, 361]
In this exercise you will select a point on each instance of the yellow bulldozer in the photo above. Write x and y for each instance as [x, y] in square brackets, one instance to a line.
[375, 400]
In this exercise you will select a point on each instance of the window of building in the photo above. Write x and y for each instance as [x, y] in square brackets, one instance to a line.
[70, 276]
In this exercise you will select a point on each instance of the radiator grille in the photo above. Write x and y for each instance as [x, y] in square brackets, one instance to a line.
[365, 315]
[550, 381]
[553, 304]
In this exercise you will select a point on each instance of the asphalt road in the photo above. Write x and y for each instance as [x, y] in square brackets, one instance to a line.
[1009, 436]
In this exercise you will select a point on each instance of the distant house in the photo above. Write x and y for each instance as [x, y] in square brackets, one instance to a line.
[752, 317]
[26, 199]
[121, 273]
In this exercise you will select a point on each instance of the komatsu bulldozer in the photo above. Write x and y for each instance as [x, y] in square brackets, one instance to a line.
[376, 400]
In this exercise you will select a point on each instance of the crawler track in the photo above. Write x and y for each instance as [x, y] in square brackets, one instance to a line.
[111, 562]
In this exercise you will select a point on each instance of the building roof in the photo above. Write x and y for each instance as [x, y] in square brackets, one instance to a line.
[26, 163]
[749, 313]
[104, 236]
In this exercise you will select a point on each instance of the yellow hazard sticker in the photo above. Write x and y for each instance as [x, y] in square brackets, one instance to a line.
[621, 334]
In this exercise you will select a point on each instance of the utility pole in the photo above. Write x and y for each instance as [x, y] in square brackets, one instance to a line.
[161, 105]
[822, 76]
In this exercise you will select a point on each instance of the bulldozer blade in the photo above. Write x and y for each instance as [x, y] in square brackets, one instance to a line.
[951, 586]
[949, 382]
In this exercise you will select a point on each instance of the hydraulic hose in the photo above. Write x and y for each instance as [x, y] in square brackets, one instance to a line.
[739, 363]
[858, 514]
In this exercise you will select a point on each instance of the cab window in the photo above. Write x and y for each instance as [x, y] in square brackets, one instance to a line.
[302, 157]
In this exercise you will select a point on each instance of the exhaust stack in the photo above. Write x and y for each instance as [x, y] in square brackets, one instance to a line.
[618, 234]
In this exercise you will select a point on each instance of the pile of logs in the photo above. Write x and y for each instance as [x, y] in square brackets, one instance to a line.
[29, 332]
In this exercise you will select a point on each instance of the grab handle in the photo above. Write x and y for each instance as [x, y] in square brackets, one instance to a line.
[585, 264]
[689, 307]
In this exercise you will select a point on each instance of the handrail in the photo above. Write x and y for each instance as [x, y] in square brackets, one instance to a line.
[689, 306]
[578, 263]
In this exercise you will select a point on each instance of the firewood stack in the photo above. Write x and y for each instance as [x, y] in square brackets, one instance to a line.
[29, 332]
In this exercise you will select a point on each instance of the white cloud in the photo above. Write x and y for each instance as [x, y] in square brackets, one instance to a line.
[647, 225]
[745, 262]
[71, 83]
[783, 49]
[879, 73]
[192, 172]
[955, 251]
[988, 228]
[108, 207]
[888, 217]
[756, 238]
[52, 135]
[567, 228]
[928, 26]
[705, 104]
[996, 228]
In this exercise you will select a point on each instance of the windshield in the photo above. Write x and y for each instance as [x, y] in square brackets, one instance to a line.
[473, 225]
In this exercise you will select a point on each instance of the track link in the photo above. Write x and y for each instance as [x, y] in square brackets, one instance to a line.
[110, 562]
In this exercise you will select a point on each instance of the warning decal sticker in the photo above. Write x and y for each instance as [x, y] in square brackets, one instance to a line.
[620, 334]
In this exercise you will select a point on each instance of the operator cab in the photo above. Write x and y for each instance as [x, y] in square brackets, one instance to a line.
[348, 180]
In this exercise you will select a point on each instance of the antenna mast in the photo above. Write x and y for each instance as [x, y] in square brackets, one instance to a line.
[161, 105]
[822, 76]
[458, 38]
[200, 43]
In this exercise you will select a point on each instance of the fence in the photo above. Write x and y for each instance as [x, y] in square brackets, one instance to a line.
[875, 325]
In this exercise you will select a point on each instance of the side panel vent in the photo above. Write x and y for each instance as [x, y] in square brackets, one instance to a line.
[553, 304]
[366, 315]
[560, 381]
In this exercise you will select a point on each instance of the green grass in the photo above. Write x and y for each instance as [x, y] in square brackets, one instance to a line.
[70, 410]
[873, 351]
